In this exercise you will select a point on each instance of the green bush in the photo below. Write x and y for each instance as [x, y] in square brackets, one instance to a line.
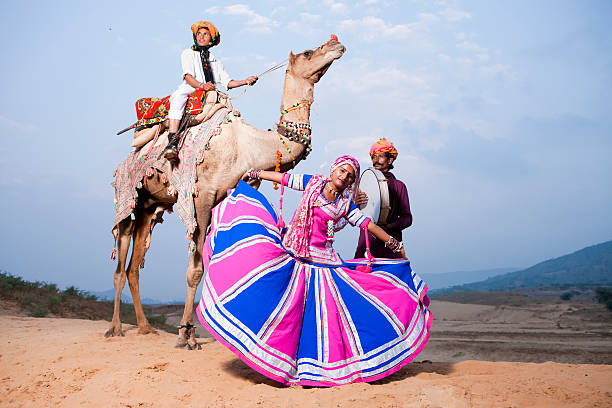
[157, 319]
[604, 295]
[72, 291]
[38, 311]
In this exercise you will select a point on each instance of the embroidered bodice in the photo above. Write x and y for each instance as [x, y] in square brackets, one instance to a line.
[325, 215]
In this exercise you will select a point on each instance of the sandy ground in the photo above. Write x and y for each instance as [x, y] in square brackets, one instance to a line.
[67, 362]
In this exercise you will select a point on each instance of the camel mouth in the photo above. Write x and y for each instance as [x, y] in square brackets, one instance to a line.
[337, 49]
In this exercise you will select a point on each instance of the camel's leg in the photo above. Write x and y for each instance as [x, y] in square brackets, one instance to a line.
[195, 271]
[141, 233]
[125, 230]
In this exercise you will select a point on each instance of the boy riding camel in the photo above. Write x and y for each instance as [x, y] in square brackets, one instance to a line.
[200, 70]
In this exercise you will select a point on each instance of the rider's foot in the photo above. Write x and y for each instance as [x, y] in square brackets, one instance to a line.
[171, 151]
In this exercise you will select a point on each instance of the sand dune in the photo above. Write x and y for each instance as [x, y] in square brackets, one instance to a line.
[68, 362]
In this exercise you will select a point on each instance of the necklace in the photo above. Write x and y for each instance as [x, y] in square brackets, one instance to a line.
[331, 190]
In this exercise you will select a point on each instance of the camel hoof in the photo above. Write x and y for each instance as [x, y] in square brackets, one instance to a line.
[180, 343]
[113, 332]
[147, 330]
[192, 347]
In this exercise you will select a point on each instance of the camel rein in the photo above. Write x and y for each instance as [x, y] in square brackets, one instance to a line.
[267, 71]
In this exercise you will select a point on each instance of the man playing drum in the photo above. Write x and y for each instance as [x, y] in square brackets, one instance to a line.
[383, 154]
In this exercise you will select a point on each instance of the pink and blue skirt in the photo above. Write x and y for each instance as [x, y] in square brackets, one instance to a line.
[302, 323]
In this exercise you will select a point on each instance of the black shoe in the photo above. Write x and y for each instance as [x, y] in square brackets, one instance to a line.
[171, 151]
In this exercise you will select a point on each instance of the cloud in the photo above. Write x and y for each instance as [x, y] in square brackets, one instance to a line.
[471, 46]
[498, 70]
[256, 23]
[307, 24]
[455, 15]
[386, 30]
[335, 7]
[19, 126]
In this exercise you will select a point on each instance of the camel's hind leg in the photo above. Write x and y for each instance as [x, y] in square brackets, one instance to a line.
[125, 230]
[195, 271]
[142, 230]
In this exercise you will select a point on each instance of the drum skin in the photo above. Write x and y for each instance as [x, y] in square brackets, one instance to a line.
[374, 184]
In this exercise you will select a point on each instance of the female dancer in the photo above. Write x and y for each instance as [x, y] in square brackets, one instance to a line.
[289, 306]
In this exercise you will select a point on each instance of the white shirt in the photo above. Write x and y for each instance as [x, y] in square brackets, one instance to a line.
[192, 64]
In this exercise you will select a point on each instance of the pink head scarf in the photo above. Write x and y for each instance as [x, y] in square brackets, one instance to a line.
[297, 238]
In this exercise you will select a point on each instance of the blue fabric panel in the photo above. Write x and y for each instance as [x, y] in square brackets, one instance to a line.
[308, 338]
[225, 239]
[372, 326]
[246, 189]
[401, 270]
[257, 302]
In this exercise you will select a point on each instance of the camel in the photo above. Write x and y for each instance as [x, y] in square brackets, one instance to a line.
[238, 148]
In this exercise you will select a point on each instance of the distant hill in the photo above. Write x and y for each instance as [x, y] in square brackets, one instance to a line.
[588, 266]
[444, 280]
[126, 297]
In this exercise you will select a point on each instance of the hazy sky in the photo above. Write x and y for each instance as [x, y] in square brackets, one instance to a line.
[500, 111]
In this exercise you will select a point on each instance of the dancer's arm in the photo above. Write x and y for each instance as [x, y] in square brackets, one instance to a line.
[386, 238]
[265, 175]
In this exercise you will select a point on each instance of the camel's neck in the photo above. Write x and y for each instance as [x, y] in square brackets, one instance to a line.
[295, 91]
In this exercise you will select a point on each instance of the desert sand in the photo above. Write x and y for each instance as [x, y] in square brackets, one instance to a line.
[69, 363]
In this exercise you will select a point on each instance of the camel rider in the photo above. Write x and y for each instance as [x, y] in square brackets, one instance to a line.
[200, 70]
[383, 154]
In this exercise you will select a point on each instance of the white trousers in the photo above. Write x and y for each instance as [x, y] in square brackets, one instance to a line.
[178, 99]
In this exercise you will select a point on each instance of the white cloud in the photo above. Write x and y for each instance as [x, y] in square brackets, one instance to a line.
[384, 29]
[335, 7]
[307, 24]
[498, 70]
[455, 15]
[20, 126]
[256, 23]
[471, 46]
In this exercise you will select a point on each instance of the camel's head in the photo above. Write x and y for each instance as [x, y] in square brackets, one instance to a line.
[312, 64]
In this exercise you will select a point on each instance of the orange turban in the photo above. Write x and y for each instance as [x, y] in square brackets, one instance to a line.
[383, 146]
[215, 37]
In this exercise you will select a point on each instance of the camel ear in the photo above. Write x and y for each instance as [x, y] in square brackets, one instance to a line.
[291, 57]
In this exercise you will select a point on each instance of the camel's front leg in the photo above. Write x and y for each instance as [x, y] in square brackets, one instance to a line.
[141, 233]
[125, 229]
[195, 271]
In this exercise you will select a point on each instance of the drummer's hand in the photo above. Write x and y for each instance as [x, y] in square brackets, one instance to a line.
[361, 200]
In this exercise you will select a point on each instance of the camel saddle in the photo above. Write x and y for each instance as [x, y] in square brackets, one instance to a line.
[153, 112]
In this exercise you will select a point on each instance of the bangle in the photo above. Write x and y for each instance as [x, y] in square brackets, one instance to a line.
[254, 174]
[394, 245]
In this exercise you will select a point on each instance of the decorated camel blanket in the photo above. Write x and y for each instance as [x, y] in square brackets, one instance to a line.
[155, 110]
[180, 180]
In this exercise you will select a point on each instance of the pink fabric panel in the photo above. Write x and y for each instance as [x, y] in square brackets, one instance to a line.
[242, 207]
[243, 261]
[286, 335]
[318, 236]
[339, 338]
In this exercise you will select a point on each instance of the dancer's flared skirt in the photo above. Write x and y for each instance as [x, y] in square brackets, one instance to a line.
[303, 323]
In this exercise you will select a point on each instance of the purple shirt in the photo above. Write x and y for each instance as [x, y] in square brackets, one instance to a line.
[399, 218]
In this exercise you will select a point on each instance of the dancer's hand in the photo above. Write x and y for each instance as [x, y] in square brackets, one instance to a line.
[361, 200]
[245, 176]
